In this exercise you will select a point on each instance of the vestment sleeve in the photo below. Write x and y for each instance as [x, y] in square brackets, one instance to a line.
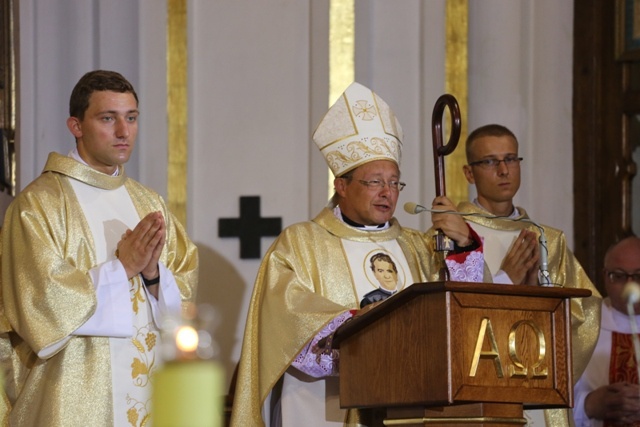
[318, 359]
[169, 300]
[467, 266]
[566, 271]
[180, 258]
[44, 294]
[113, 315]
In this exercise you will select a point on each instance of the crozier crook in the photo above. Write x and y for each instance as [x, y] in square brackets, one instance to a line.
[442, 242]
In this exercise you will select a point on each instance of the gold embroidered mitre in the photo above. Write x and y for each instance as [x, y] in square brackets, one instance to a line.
[359, 128]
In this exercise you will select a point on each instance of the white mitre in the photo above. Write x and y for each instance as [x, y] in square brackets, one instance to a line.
[359, 128]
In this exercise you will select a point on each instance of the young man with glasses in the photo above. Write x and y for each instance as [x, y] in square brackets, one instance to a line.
[315, 274]
[608, 392]
[511, 241]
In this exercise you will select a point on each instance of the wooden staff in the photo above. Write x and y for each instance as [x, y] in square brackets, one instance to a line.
[440, 150]
[443, 243]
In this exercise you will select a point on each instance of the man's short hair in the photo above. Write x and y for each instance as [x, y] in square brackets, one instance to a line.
[95, 81]
[487, 130]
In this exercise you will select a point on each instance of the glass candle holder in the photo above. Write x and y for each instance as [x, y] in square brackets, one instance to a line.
[188, 387]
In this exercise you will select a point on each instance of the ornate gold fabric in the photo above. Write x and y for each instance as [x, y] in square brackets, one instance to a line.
[302, 284]
[564, 269]
[47, 250]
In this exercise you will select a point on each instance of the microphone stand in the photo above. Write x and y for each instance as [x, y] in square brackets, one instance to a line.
[544, 279]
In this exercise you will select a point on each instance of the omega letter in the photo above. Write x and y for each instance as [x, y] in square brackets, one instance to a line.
[517, 369]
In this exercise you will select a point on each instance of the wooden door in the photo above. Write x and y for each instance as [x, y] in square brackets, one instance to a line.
[606, 130]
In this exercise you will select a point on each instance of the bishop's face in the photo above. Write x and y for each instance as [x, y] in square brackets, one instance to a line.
[107, 133]
[366, 205]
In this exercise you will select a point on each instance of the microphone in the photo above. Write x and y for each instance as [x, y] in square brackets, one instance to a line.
[414, 208]
[442, 242]
[631, 293]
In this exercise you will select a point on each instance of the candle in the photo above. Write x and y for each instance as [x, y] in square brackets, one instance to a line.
[188, 393]
[188, 387]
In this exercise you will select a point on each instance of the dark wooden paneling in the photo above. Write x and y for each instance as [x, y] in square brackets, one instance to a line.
[601, 156]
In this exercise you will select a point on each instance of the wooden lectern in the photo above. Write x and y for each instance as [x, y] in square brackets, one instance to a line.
[454, 353]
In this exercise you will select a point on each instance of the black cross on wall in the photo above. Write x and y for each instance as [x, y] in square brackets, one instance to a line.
[250, 227]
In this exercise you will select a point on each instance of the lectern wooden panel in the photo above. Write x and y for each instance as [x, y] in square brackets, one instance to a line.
[450, 343]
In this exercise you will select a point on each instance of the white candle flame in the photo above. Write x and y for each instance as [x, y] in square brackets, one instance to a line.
[187, 339]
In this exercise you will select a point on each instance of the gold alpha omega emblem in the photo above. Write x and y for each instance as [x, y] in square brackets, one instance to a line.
[516, 367]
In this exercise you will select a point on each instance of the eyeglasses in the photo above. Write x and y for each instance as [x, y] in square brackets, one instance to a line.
[376, 184]
[509, 161]
[622, 276]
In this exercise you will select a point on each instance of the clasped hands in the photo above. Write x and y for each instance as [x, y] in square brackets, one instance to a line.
[618, 403]
[521, 261]
[139, 249]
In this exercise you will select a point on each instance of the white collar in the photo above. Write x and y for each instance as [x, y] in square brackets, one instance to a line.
[76, 156]
[338, 214]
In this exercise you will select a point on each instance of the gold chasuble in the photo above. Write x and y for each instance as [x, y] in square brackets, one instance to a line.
[564, 269]
[306, 280]
[57, 231]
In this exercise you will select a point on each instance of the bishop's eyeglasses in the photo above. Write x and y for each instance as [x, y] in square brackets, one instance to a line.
[377, 184]
[509, 161]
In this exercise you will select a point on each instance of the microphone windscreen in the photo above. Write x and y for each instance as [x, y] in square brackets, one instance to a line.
[631, 292]
[411, 208]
